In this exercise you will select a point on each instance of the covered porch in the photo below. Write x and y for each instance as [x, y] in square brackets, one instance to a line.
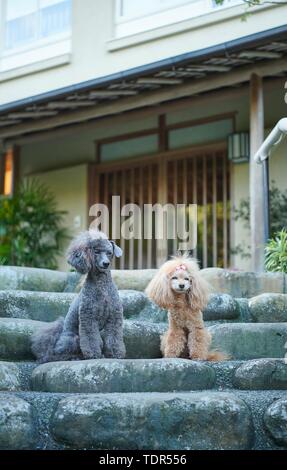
[157, 133]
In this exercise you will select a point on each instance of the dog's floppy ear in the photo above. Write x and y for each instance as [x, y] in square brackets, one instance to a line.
[159, 291]
[79, 255]
[117, 250]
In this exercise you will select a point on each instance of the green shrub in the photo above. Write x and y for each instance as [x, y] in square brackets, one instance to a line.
[278, 217]
[31, 227]
[276, 253]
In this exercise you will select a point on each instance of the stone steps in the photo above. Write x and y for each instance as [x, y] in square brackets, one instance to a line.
[142, 339]
[236, 283]
[48, 306]
[144, 401]
[143, 375]
[182, 420]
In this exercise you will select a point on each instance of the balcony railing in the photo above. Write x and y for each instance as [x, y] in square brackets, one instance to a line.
[43, 23]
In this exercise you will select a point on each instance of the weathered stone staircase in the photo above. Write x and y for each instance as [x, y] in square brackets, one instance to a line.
[145, 402]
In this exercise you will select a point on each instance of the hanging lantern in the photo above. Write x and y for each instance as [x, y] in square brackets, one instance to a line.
[238, 147]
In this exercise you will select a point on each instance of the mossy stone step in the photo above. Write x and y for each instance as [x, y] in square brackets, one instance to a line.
[196, 420]
[157, 375]
[33, 279]
[237, 419]
[143, 375]
[262, 374]
[48, 306]
[125, 375]
[9, 377]
[236, 283]
[250, 340]
[142, 339]
[275, 420]
[17, 423]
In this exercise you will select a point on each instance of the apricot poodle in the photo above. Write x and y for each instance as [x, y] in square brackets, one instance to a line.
[179, 288]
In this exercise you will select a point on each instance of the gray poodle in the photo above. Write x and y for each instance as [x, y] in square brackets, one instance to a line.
[93, 327]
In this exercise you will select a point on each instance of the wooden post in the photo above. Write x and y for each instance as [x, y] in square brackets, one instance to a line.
[256, 174]
[16, 167]
[161, 245]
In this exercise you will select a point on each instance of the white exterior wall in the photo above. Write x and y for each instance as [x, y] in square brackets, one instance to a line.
[96, 53]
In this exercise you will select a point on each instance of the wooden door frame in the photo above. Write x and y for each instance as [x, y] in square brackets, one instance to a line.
[161, 158]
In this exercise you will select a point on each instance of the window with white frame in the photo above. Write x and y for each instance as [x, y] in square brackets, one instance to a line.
[34, 32]
[134, 16]
[134, 8]
[27, 21]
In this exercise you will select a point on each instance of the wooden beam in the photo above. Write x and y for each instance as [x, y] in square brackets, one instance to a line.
[112, 121]
[212, 82]
[256, 174]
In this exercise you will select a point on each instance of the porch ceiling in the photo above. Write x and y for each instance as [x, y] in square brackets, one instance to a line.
[225, 65]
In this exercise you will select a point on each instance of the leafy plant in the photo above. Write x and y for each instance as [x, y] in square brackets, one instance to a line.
[276, 253]
[253, 3]
[31, 227]
[278, 216]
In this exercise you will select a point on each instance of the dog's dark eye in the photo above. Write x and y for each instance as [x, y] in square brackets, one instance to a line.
[186, 279]
[173, 278]
[109, 253]
[96, 251]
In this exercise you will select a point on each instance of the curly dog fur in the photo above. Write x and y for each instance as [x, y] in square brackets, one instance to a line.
[93, 327]
[179, 288]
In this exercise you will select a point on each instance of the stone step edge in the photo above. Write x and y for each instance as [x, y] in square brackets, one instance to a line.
[239, 374]
[142, 339]
[266, 307]
[47, 417]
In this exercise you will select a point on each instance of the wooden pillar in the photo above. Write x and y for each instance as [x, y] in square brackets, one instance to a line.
[256, 174]
[161, 245]
[16, 167]
[2, 166]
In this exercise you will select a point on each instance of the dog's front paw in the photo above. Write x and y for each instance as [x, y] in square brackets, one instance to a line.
[114, 348]
[89, 354]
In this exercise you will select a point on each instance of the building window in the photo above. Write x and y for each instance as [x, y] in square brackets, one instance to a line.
[134, 16]
[134, 8]
[27, 21]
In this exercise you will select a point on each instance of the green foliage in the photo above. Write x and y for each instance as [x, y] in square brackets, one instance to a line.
[276, 253]
[31, 227]
[253, 3]
[278, 216]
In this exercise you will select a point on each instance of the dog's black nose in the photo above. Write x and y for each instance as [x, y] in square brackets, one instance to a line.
[181, 286]
[106, 264]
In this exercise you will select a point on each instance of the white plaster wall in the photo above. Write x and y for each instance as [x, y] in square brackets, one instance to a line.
[92, 31]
